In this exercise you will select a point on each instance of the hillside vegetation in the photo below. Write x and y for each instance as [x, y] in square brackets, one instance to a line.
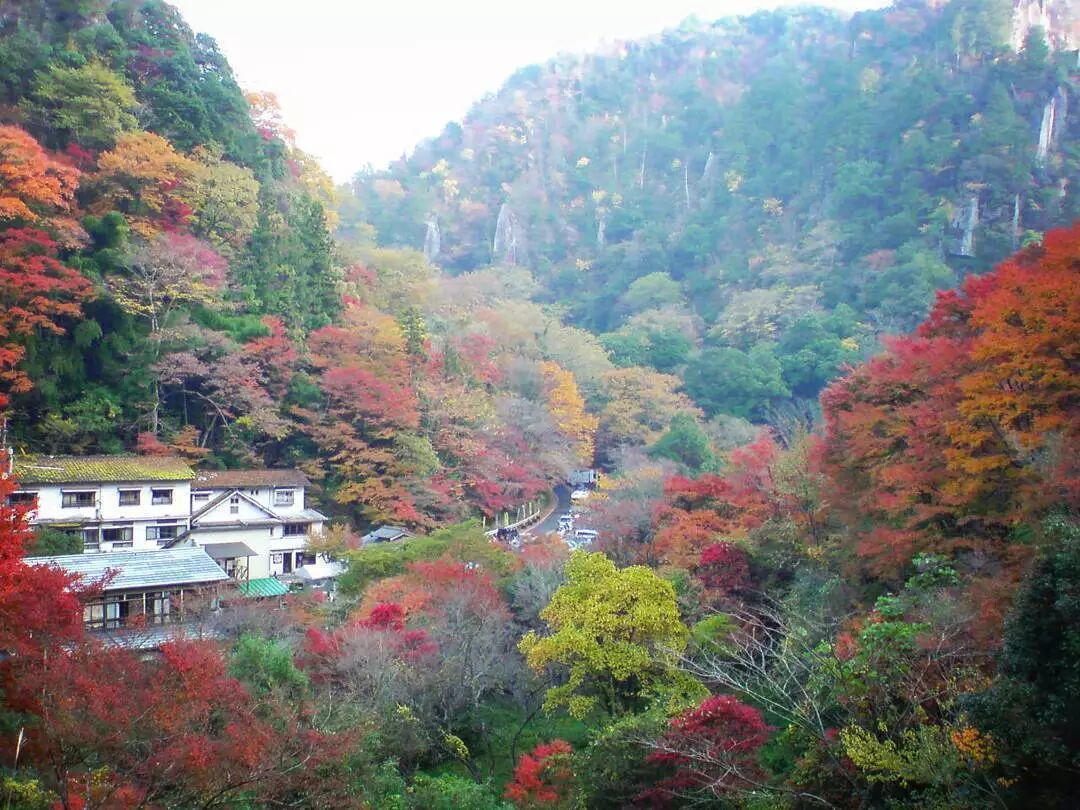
[804, 287]
[750, 203]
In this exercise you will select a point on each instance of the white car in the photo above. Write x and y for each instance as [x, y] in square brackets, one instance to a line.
[579, 495]
[585, 536]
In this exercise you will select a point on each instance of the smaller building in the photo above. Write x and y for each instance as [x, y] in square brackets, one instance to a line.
[143, 593]
[579, 479]
[255, 523]
[385, 534]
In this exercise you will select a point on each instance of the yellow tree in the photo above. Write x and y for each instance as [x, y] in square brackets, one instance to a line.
[640, 405]
[226, 202]
[616, 632]
[147, 180]
[567, 408]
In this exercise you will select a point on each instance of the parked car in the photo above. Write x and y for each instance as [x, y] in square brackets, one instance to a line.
[579, 495]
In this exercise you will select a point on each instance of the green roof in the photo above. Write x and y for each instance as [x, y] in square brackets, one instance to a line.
[99, 469]
[264, 587]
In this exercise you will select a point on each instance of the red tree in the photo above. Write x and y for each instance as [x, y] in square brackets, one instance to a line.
[713, 748]
[723, 569]
[954, 436]
[543, 778]
[37, 292]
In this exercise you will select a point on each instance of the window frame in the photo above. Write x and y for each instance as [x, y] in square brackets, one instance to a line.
[90, 545]
[23, 497]
[289, 530]
[153, 532]
[73, 493]
[136, 492]
[280, 496]
[124, 542]
[158, 500]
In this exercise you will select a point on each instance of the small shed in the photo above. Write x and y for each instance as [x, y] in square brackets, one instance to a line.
[385, 534]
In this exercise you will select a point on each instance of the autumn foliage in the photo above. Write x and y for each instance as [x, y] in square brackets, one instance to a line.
[713, 747]
[542, 778]
[955, 435]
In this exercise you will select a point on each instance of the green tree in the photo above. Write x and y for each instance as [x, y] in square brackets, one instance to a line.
[450, 792]
[685, 442]
[727, 380]
[48, 541]
[267, 667]
[1033, 707]
[650, 292]
[88, 105]
[616, 633]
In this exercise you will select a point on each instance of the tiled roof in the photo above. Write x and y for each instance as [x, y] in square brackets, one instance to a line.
[141, 569]
[153, 637]
[264, 587]
[244, 479]
[99, 469]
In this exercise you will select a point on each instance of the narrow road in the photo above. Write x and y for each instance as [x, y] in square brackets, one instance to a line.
[551, 523]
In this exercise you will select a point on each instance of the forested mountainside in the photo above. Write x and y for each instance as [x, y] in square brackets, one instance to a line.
[749, 203]
[172, 284]
[652, 260]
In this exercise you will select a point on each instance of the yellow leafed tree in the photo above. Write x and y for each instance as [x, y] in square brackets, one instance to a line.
[567, 407]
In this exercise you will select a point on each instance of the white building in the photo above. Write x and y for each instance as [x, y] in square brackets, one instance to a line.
[113, 503]
[255, 523]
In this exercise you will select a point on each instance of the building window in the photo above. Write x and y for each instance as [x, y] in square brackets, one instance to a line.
[130, 497]
[161, 604]
[159, 497]
[253, 492]
[105, 615]
[284, 497]
[160, 533]
[69, 500]
[234, 505]
[119, 536]
[302, 558]
[91, 539]
[295, 529]
[200, 497]
[22, 499]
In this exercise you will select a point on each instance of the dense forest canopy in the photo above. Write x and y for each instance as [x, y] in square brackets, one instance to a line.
[749, 203]
[805, 287]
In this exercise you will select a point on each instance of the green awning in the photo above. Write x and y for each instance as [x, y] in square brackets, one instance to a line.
[264, 587]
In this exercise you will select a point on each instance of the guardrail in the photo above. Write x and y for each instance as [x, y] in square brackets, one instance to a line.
[527, 514]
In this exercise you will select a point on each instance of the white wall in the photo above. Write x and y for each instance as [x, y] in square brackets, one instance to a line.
[266, 497]
[229, 512]
[107, 502]
[260, 540]
[107, 511]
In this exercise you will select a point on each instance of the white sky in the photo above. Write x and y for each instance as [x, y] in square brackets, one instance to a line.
[362, 82]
